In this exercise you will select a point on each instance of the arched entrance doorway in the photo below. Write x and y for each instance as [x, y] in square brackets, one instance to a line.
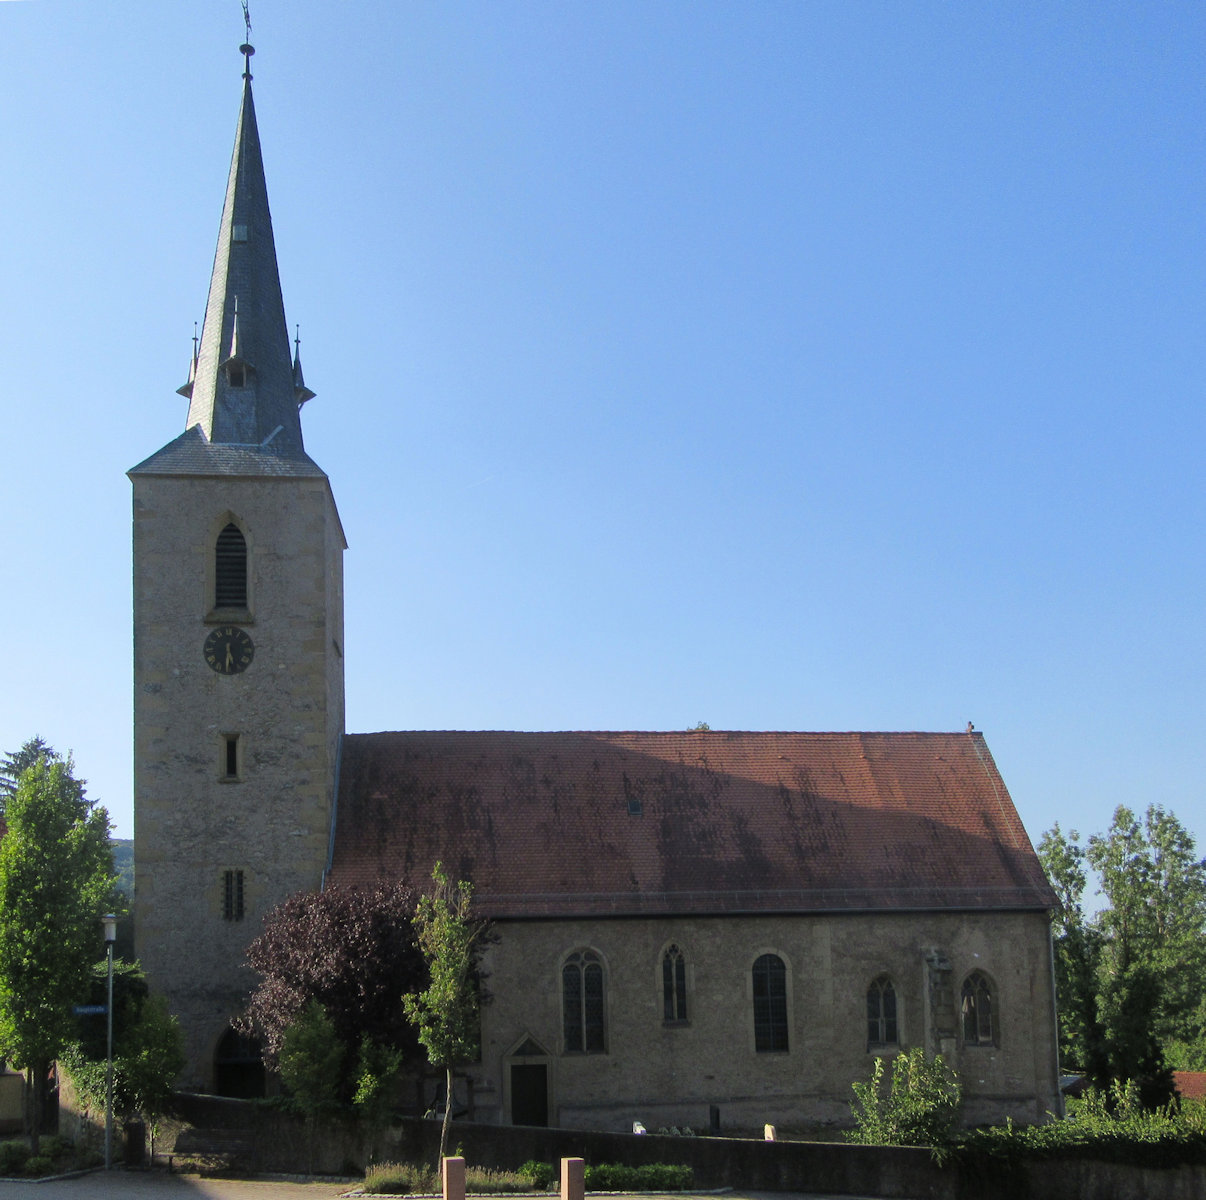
[239, 1067]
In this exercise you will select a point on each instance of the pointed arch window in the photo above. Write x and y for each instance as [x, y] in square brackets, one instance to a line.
[230, 568]
[979, 1011]
[770, 1004]
[674, 986]
[582, 1004]
[882, 1028]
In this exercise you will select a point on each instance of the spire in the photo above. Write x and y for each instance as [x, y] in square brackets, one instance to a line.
[300, 391]
[243, 387]
[186, 390]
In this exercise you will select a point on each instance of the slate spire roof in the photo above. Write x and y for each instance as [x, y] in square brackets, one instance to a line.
[245, 317]
[244, 386]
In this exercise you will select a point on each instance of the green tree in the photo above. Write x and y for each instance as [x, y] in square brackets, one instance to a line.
[1154, 944]
[310, 1064]
[15, 762]
[377, 1067]
[446, 1012]
[917, 1105]
[1077, 943]
[56, 879]
[148, 1054]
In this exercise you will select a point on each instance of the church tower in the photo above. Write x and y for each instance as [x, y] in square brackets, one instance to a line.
[238, 646]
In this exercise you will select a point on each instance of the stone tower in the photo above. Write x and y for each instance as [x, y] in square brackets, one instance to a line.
[238, 646]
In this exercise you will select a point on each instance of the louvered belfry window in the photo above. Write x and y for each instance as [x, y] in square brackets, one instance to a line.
[230, 569]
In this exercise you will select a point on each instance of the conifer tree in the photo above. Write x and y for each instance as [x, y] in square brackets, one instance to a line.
[15, 762]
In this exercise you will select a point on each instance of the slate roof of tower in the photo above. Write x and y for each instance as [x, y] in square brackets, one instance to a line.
[192, 454]
[547, 824]
[252, 427]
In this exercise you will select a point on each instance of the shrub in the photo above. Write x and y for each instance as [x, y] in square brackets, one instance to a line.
[1111, 1126]
[540, 1175]
[485, 1179]
[13, 1157]
[649, 1177]
[917, 1106]
[392, 1178]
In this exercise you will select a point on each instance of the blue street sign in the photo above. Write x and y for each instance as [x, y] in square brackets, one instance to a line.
[90, 1010]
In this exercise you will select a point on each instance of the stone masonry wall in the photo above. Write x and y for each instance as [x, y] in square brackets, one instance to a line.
[192, 823]
[667, 1075]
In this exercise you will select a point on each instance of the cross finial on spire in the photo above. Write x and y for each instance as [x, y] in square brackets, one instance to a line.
[247, 49]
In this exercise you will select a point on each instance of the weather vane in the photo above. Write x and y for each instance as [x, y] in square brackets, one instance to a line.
[247, 48]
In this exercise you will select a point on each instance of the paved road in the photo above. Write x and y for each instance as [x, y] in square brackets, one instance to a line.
[158, 1185]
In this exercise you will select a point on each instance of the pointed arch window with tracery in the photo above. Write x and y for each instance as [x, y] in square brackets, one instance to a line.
[978, 1008]
[882, 1025]
[582, 1003]
[770, 1004]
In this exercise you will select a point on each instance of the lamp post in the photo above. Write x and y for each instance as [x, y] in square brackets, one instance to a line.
[110, 937]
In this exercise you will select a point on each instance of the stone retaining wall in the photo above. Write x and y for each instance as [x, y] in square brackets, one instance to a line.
[277, 1142]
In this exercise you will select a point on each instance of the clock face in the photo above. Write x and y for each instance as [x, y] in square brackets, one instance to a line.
[229, 650]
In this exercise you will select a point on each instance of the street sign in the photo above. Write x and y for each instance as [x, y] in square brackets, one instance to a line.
[90, 1010]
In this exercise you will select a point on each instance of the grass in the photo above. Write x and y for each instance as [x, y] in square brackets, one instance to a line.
[408, 1179]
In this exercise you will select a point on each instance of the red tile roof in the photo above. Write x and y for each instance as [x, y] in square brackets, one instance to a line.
[619, 824]
[1191, 1085]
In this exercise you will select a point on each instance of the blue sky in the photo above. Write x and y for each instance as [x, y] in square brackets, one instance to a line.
[784, 366]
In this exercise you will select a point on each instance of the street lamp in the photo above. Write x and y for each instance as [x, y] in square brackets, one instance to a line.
[110, 921]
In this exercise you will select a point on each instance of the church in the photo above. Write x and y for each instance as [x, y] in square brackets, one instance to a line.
[712, 929]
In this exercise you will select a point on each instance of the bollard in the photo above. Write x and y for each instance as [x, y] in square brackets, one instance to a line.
[452, 1178]
[573, 1178]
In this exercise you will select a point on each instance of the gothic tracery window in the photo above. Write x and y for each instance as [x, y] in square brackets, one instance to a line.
[582, 1003]
[770, 1004]
[978, 1011]
[882, 1029]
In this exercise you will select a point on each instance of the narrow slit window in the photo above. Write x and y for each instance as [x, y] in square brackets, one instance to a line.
[230, 568]
[230, 756]
[232, 900]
